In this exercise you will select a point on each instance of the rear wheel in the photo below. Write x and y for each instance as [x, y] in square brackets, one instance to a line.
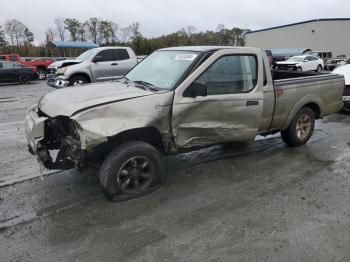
[319, 69]
[77, 81]
[300, 129]
[24, 79]
[131, 170]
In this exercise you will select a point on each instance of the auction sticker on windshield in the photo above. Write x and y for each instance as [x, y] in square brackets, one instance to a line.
[185, 57]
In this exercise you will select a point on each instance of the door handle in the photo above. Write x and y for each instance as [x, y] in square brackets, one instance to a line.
[114, 64]
[252, 103]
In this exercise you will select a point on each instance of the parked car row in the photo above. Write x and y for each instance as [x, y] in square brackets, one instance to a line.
[40, 64]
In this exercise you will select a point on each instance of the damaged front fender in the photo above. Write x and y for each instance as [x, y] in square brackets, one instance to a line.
[96, 125]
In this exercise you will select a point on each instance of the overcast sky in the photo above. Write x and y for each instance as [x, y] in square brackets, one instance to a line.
[159, 17]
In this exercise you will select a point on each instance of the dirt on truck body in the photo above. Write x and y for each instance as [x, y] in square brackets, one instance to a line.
[176, 99]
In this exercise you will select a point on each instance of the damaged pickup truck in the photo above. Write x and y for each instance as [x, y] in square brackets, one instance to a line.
[177, 99]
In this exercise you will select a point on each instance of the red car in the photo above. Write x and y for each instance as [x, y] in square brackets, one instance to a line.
[40, 64]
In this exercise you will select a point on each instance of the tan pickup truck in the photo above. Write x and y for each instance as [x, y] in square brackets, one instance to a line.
[176, 99]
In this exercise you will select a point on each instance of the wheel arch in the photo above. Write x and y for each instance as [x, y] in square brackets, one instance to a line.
[315, 104]
[41, 67]
[85, 75]
[149, 134]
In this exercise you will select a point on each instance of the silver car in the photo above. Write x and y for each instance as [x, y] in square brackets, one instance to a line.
[94, 65]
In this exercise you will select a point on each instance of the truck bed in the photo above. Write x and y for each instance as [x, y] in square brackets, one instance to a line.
[285, 74]
[282, 77]
[292, 87]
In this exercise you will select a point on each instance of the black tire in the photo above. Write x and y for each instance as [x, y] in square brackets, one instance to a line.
[299, 69]
[24, 79]
[300, 129]
[319, 69]
[77, 81]
[131, 170]
[42, 74]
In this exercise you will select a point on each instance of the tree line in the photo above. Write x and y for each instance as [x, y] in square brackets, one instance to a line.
[16, 37]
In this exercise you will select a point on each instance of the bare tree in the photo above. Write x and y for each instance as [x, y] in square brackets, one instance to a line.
[190, 30]
[60, 28]
[14, 29]
[220, 27]
[49, 35]
[125, 34]
[115, 29]
[220, 32]
[92, 26]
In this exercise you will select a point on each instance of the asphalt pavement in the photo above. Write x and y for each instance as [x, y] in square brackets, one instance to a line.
[259, 201]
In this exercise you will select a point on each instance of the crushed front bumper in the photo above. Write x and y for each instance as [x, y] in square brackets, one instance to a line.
[57, 82]
[43, 141]
[34, 128]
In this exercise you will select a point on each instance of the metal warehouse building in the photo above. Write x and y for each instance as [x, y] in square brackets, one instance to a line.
[331, 34]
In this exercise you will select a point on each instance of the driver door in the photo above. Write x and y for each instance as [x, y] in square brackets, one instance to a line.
[104, 70]
[232, 108]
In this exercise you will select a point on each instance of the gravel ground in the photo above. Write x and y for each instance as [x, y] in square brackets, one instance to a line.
[256, 201]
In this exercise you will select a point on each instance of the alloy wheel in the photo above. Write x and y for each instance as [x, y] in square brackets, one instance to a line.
[303, 126]
[135, 175]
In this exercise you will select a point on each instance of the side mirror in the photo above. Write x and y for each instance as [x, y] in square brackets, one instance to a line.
[306, 60]
[97, 58]
[196, 89]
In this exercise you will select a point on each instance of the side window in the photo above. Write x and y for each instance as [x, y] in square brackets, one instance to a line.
[121, 54]
[0, 65]
[231, 75]
[107, 55]
[7, 65]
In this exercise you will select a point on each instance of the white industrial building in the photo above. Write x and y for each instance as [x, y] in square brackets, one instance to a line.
[331, 34]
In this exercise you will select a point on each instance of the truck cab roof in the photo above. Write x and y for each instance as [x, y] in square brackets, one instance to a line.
[205, 48]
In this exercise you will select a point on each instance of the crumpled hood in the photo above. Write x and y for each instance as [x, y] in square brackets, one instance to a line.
[62, 63]
[67, 101]
[345, 71]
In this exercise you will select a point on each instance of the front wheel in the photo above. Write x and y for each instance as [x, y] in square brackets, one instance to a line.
[319, 69]
[300, 129]
[299, 69]
[131, 170]
[77, 81]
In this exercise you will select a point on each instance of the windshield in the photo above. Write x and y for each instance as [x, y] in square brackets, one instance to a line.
[163, 69]
[86, 55]
[295, 59]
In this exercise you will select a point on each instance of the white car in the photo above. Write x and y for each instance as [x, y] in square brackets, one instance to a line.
[301, 63]
[345, 71]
